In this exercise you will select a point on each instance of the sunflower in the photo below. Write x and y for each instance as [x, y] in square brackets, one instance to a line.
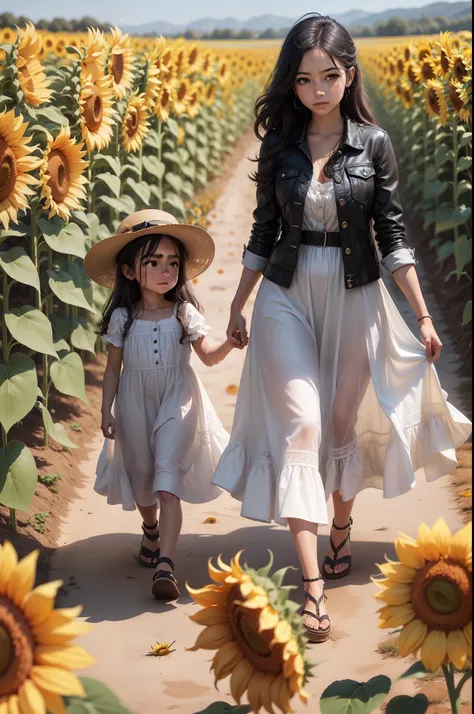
[181, 59]
[408, 100]
[93, 62]
[413, 72]
[48, 44]
[153, 85]
[165, 101]
[62, 175]
[223, 72]
[461, 65]
[426, 70]
[445, 46]
[36, 654]
[195, 58]
[429, 594]
[435, 100]
[210, 94]
[97, 114]
[135, 123]
[251, 623]
[182, 97]
[8, 36]
[31, 74]
[120, 64]
[424, 50]
[196, 93]
[207, 65]
[460, 100]
[16, 163]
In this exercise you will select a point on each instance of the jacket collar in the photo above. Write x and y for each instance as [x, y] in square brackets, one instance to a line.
[352, 134]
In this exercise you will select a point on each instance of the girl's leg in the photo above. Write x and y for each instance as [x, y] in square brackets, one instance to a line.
[149, 515]
[305, 537]
[171, 522]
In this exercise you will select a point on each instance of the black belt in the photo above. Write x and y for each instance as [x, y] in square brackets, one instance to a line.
[321, 238]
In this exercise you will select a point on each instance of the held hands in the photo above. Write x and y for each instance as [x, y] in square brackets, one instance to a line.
[431, 341]
[108, 426]
[237, 334]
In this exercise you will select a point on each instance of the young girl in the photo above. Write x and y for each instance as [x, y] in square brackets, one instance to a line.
[337, 394]
[168, 438]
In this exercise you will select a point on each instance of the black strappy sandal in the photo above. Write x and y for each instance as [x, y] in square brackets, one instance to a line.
[153, 555]
[165, 585]
[335, 561]
[318, 636]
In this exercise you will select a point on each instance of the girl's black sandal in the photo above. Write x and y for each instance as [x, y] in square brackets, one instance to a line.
[165, 585]
[152, 555]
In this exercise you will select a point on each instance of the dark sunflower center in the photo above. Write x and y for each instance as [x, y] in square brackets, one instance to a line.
[8, 170]
[460, 70]
[93, 111]
[59, 182]
[182, 92]
[428, 72]
[444, 61]
[6, 650]
[456, 100]
[117, 68]
[16, 648]
[193, 57]
[442, 596]
[165, 97]
[132, 123]
[434, 101]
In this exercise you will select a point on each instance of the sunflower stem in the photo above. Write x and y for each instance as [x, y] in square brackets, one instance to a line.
[467, 676]
[159, 129]
[448, 671]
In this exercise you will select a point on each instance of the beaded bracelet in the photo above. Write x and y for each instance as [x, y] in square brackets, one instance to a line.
[423, 317]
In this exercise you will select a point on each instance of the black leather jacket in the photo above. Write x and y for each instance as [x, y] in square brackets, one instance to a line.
[365, 176]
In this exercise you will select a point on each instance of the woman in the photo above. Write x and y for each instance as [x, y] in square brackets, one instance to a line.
[337, 394]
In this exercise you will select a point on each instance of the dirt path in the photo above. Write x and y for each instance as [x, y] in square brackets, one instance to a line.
[97, 550]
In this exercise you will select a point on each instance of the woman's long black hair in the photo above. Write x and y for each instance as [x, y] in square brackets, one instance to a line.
[276, 107]
[127, 293]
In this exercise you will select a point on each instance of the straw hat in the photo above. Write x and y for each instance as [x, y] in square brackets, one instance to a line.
[100, 261]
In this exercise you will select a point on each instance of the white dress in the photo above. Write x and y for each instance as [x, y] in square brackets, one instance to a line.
[336, 393]
[168, 435]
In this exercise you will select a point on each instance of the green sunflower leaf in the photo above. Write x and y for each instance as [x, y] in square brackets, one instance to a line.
[350, 697]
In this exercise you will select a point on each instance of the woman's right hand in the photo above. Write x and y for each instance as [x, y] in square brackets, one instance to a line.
[108, 426]
[237, 333]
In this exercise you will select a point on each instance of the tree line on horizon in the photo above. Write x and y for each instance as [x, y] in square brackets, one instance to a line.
[394, 27]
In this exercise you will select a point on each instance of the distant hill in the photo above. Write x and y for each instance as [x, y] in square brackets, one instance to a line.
[450, 10]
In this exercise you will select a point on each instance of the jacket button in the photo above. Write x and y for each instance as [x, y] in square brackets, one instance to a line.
[342, 202]
[338, 179]
[349, 284]
[345, 224]
[283, 175]
[348, 251]
[156, 352]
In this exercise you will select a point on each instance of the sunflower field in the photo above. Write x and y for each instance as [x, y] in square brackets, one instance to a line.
[423, 92]
[93, 128]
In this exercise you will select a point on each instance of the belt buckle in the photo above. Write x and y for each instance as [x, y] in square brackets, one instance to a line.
[325, 239]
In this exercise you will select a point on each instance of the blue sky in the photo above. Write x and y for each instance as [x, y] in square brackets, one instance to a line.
[136, 12]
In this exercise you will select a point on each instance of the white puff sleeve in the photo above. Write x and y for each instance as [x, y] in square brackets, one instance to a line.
[114, 334]
[194, 322]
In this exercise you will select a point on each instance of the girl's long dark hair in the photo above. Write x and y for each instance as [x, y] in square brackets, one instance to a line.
[127, 293]
[275, 109]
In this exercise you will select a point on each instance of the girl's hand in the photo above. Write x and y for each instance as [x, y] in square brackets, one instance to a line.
[108, 426]
[431, 341]
[237, 334]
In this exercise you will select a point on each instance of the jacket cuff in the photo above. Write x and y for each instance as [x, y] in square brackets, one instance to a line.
[398, 259]
[254, 262]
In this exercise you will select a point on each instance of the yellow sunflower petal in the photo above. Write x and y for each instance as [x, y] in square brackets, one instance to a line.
[40, 602]
[240, 679]
[461, 545]
[409, 553]
[208, 595]
[61, 635]
[442, 537]
[3, 706]
[283, 633]
[427, 543]
[222, 565]
[258, 602]
[399, 572]
[412, 637]
[396, 594]
[57, 681]
[23, 578]
[226, 660]
[210, 616]
[434, 650]
[8, 564]
[71, 657]
[393, 616]
[458, 648]
[213, 637]
[268, 619]
[54, 703]
[254, 691]
[266, 693]
[31, 700]
[215, 574]
[14, 705]
[468, 634]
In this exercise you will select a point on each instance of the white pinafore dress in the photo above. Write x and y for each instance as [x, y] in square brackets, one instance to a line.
[336, 393]
[168, 435]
